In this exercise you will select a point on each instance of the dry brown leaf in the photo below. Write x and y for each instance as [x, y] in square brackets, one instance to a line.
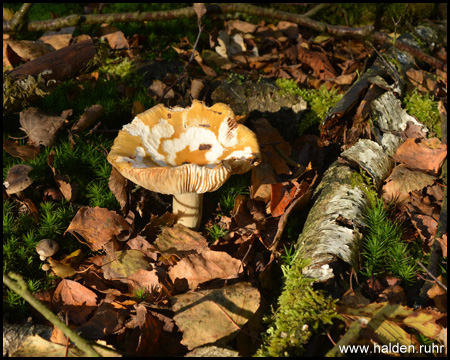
[25, 152]
[318, 62]
[402, 181]
[268, 135]
[29, 50]
[156, 223]
[241, 26]
[439, 295]
[74, 299]
[147, 280]
[145, 341]
[69, 191]
[158, 88]
[40, 127]
[117, 184]
[89, 117]
[140, 243]
[199, 9]
[422, 154]
[97, 226]
[263, 176]
[443, 241]
[210, 315]
[180, 240]
[426, 226]
[105, 321]
[58, 39]
[114, 36]
[199, 268]
[422, 80]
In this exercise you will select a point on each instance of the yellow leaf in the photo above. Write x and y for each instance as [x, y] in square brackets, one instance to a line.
[424, 320]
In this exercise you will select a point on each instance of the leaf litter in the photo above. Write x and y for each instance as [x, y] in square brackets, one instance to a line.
[173, 268]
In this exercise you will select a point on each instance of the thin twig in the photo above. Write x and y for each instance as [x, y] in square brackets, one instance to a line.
[286, 158]
[16, 283]
[440, 283]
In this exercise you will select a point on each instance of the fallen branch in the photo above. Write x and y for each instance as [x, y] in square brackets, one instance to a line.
[16, 283]
[367, 32]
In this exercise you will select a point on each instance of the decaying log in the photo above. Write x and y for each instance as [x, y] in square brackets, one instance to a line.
[382, 72]
[331, 235]
[36, 79]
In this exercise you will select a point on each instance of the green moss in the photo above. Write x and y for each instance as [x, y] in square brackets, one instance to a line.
[382, 248]
[425, 109]
[319, 101]
[302, 312]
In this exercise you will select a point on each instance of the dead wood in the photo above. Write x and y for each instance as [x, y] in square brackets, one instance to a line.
[35, 79]
[388, 68]
[305, 20]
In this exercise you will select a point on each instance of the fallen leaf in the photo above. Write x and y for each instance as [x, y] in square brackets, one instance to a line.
[105, 321]
[318, 62]
[89, 117]
[267, 137]
[117, 184]
[97, 226]
[58, 39]
[422, 154]
[422, 80]
[209, 315]
[76, 300]
[114, 36]
[122, 264]
[147, 280]
[40, 127]
[402, 181]
[387, 321]
[199, 268]
[413, 131]
[424, 321]
[69, 191]
[282, 195]
[25, 152]
[439, 295]
[263, 176]
[144, 340]
[443, 241]
[61, 270]
[200, 10]
[180, 240]
[29, 50]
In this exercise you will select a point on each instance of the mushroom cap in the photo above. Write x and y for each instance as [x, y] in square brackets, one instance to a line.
[46, 248]
[17, 179]
[184, 150]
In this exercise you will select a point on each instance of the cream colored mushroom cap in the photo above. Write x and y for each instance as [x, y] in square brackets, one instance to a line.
[184, 150]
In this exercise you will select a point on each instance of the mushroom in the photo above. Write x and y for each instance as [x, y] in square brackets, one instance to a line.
[46, 248]
[184, 152]
[17, 179]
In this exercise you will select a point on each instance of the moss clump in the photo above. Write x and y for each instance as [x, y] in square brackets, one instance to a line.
[425, 109]
[301, 313]
[319, 101]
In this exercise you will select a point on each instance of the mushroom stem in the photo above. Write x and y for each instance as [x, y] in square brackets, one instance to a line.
[188, 209]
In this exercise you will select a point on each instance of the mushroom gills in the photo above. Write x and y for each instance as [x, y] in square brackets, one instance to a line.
[188, 209]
